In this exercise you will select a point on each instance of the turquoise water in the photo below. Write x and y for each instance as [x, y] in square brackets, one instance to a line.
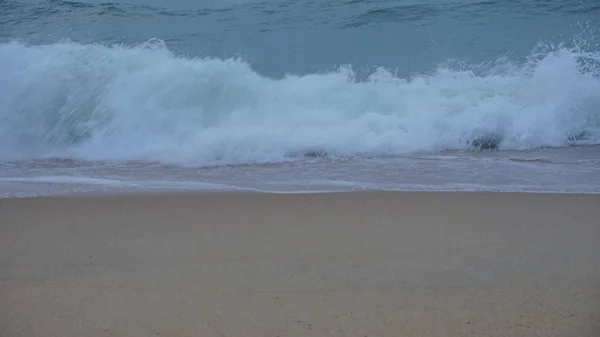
[300, 37]
[133, 87]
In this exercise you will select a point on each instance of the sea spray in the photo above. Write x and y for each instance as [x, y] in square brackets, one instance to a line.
[145, 103]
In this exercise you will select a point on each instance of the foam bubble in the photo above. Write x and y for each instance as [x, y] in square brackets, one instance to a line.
[119, 103]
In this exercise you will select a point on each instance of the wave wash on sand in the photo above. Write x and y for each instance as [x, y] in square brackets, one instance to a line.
[119, 103]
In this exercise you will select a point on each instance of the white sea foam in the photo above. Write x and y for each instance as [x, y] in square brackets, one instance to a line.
[61, 179]
[119, 103]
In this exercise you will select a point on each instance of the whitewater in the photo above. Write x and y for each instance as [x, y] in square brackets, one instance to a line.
[144, 103]
[103, 110]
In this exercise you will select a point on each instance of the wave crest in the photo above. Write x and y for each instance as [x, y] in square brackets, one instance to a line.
[145, 103]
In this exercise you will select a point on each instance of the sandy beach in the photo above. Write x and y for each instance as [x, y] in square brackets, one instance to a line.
[341, 264]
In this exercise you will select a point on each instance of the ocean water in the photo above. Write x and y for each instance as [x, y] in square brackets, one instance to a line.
[296, 96]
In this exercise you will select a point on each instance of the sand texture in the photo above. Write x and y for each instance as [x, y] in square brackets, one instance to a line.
[355, 264]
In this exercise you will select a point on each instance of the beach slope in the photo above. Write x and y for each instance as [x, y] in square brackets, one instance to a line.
[341, 264]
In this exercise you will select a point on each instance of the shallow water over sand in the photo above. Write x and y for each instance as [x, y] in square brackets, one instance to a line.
[565, 170]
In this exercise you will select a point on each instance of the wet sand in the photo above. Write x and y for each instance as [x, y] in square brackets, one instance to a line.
[341, 264]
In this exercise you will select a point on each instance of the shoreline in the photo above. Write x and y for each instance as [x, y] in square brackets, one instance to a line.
[562, 170]
[324, 264]
[141, 192]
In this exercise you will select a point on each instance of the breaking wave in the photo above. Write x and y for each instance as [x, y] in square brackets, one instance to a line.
[145, 103]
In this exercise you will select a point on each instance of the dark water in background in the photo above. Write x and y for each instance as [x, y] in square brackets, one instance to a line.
[101, 95]
[291, 36]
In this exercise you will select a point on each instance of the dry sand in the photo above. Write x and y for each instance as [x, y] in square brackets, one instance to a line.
[355, 264]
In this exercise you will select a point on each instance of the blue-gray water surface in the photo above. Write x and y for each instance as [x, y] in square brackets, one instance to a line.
[288, 95]
[292, 36]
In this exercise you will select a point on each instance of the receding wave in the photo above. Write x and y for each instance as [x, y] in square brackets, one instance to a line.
[123, 103]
